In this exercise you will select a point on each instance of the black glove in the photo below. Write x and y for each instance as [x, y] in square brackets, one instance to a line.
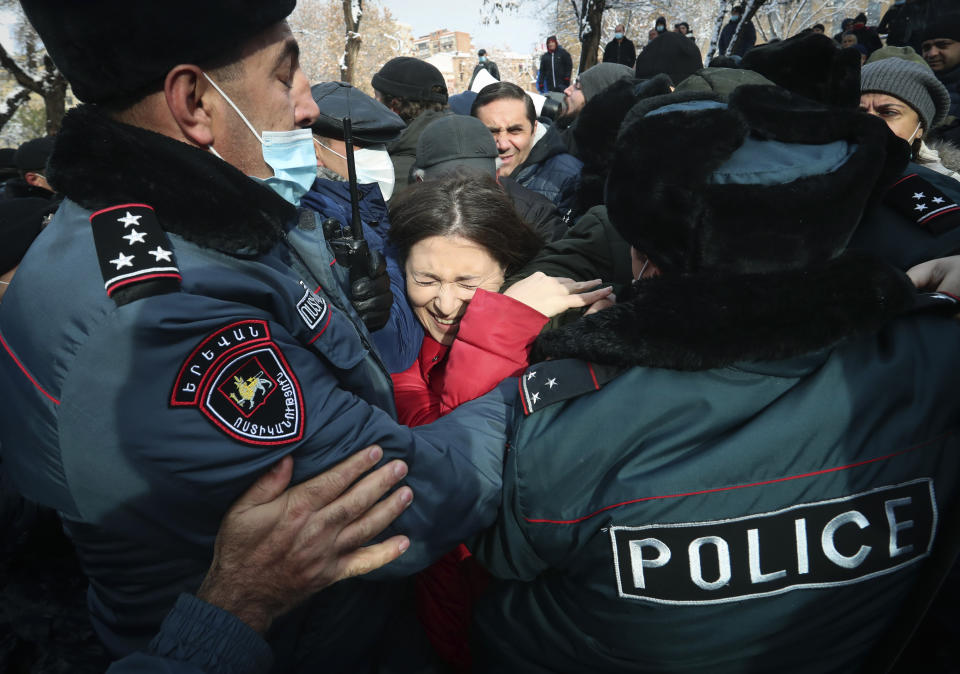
[370, 293]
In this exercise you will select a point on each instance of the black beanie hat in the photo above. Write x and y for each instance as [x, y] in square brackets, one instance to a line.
[410, 78]
[671, 53]
[945, 26]
[767, 182]
[33, 154]
[121, 49]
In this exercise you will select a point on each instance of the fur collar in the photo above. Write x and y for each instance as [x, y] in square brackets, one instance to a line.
[705, 321]
[98, 162]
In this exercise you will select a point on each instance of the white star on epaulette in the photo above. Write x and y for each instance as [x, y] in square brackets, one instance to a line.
[129, 220]
[117, 237]
[123, 261]
[135, 237]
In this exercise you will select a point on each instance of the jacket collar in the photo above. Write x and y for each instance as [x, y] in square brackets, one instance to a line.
[545, 145]
[701, 322]
[99, 162]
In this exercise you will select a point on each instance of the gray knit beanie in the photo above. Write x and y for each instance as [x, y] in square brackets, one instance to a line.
[599, 77]
[912, 83]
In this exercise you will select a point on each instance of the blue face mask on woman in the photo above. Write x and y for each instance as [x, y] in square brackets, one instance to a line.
[289, 153]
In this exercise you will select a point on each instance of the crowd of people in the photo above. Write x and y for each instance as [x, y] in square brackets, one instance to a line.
[662, 384]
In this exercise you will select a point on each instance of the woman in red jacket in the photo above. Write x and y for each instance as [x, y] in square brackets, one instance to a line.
[457, 239]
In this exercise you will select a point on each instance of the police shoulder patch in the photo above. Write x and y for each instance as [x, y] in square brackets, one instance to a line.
[241, 382]
[919, 201]
[554, 381]
[133, 250]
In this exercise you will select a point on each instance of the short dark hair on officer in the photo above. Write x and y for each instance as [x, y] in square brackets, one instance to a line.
[482, 52]
[117, 51]
[504, 90]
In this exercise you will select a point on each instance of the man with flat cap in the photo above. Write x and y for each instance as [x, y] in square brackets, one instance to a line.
[182, 324]
[396, 332]
[416, 91]
[30, 160]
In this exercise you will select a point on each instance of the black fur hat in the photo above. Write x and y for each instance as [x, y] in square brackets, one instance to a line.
[811, 65]
[119, 49]
[768, 182]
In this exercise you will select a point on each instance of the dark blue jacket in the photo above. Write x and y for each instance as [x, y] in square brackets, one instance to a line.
[198, 638]
[141, 416]
[550, 170]
[398, 342]
[748, 38]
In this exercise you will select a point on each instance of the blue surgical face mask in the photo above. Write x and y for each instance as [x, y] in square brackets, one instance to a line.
[483, 59]
[618, 36]
[289, 153]
[734, 17]
[661, 28]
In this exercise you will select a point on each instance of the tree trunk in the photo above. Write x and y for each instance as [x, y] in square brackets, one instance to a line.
[590, 45]
[352, 13]
[55, 103]
[721, 14]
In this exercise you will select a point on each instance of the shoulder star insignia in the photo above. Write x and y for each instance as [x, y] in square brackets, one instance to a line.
[551, 382]
[160, 254]
[535, 398]
[938, 200]
[129, 219]
[920, 207]
[531, 375]
[135, 237]
[123, 261]
[919, 195]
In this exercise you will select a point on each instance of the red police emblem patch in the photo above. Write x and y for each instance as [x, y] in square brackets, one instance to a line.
[239, 379]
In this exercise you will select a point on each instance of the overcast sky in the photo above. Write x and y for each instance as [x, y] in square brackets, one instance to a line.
[519, 32]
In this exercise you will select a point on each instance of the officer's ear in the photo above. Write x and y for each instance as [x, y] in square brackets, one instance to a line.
[191, 99]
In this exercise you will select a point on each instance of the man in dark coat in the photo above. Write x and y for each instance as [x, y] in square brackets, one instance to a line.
[484, 63]
[753, 478]
[620, 49]
[746, 39]
[556, 67]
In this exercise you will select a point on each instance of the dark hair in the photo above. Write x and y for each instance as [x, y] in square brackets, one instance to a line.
[739, 9]
[409, 109]
[504, 90]
[822, 28]
[466, 204]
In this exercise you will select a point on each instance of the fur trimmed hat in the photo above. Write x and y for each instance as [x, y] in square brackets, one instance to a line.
[119, 50]
[811, 65]
[410, 78]
[766, 183]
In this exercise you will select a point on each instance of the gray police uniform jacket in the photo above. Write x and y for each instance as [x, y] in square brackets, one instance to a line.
[767, 514]
[171, 340]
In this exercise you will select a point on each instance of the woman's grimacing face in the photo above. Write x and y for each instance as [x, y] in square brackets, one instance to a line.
[443, 273]
[900, 117]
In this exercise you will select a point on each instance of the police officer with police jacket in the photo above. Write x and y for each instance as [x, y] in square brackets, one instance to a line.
[180, 325]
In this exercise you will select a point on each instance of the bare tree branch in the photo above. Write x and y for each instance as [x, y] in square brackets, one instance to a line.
[18, 73]
[10, 106]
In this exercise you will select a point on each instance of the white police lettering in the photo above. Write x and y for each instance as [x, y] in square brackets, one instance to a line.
[811, 545]
[895, 527]
[312, 309]
[638, 562]
[753, 553]
[829, 546]
[723, 562]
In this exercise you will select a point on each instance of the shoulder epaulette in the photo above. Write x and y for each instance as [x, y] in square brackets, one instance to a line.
[554, 381]
[920, 202]
[134, 253]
